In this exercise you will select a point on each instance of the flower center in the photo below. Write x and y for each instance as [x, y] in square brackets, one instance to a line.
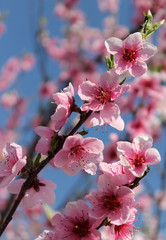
[111, 202]
[104, 95]
[129, 55]
[81, 228]
[137, 160]
[76, 150]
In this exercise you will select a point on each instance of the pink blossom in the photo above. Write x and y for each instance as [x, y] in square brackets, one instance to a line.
[42, 191]
[79, 153]
[101, 100]
[47, 235]
[11, 163]
[121, 175]
[121, 232]
[138, 154]
[76, 223]
[111, 201]
[9, 72]
[28, 62]
[64, 102]
[9, 99]
[130, 54]
[148, 85]
[47, 89]
[44, 144]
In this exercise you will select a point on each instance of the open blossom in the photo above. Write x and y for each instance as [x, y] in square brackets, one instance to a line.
[42, 191]
[111, 201]
[101, 100]
[44, 144]
[76, 223]
[130, 54]
[138, 154]
[121, 232]
[79, 153]
[11, 163]
[64, 101]
[120, 174]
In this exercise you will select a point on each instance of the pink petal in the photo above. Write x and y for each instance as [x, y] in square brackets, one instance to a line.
[16, 186]
[73, 141]
[121, 65]
[138, 69]
[47, 195]
[118, 124]
[148, 50]
[113, 45]
[109, 80]
[86, 90]
[152, 156]
[31, 198]
[60, 158]
[110, 113]
[44, 131]
[133, 41]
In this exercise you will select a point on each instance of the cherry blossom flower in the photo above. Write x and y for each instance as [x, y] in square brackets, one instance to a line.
[9, 72]
[79, 153]
[64, 102]
[130, 54]
[119, 232]
[11, 163]
[111, 201]
[120, 174]
[28, 62]
[42, 191]
[138, 154]
[101, 100]
[76, 223]
[44, 144]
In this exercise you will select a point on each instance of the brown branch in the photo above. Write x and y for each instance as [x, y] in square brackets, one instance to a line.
[33, 173]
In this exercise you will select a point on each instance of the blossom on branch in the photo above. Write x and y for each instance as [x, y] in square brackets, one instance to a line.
[42, 191]
[101, 98]
[44, 144]
[11, 163]
[64, 101]
[138, 154]
[111, 201]
[79, 153]
[76, 223]
[130, 54]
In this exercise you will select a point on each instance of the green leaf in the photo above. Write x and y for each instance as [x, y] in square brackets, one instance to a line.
[109, 61]
[147, 27]
[83, 132]
[54, 141]
[37, 160]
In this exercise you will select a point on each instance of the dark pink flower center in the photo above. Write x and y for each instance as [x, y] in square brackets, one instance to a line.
[124, 230]
[111, 202]
[77, 150]
[137, 160]
[129, 55]
[103, 95]
[81, 228]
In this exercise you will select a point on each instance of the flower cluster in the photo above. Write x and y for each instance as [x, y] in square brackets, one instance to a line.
[109, 211]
